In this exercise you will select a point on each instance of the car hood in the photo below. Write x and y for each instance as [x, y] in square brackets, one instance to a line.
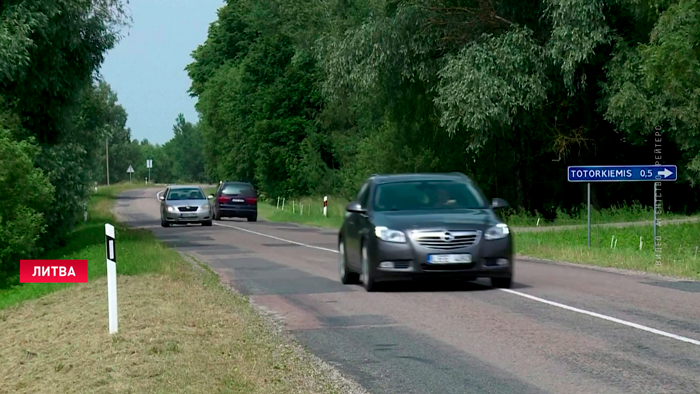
[466, 219]
[186, 203]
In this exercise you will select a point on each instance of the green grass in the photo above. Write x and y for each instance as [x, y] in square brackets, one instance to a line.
[676, 256]
[137, 250]
[308, 211]
[617, 214]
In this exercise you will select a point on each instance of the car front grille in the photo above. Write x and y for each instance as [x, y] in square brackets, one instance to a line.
[446, 240]
[187, 209]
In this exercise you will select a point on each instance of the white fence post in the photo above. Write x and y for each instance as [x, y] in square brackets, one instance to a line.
[111, 277]
[325, 206]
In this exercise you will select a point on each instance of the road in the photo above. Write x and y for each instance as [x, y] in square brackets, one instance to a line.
[560, 329]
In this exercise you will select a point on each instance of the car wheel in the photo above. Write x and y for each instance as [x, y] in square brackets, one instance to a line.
[501, 283]
[366, 278]
[346, 277]
[207, 223]
[253, 218]
[164, 223]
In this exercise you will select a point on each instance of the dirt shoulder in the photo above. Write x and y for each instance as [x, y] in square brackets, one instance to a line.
[187, 335]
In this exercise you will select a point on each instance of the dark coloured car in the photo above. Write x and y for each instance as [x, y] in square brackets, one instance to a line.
[236, 200]
[414, 226]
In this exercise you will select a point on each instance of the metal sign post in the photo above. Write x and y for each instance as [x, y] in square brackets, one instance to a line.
[130, 171]
[652, 173]
[149, 165]
[589, 213]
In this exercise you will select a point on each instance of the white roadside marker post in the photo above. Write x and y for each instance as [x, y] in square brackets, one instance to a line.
[111, 277]
[325, 206]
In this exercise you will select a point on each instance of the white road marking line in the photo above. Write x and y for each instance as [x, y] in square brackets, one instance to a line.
[604, 317]
[277, 238]
[542, 300]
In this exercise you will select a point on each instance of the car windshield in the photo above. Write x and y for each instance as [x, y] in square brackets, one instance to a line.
[237, 189]
[186, 194]
[427, 195]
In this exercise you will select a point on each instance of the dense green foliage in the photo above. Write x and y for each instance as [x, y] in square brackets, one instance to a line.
[53, 114]
[57, 115]
[310, 97]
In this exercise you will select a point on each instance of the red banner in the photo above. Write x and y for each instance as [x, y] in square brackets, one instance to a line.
[53, 271]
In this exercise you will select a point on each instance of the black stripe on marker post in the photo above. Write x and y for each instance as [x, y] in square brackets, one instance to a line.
[111, 249]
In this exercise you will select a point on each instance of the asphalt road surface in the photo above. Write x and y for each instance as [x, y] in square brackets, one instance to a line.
[560, 329]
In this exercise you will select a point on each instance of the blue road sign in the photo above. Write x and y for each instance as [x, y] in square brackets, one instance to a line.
[653, 173]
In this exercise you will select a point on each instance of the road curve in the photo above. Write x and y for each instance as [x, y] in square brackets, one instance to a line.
[561, 329]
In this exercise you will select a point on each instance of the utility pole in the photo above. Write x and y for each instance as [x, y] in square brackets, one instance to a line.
[107, 157]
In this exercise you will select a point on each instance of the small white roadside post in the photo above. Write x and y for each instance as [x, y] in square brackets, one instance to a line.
[325, 206]
[85, 211]
[111, 277]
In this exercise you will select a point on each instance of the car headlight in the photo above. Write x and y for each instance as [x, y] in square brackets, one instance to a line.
[498, 231]
[204, 207]
[171, 208]
[388, 235]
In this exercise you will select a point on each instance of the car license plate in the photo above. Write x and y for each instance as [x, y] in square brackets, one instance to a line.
[237, 200]
[188, 215]
[449, 258]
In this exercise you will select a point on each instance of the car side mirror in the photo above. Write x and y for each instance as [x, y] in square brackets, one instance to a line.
[354, 207]
[498, 203]
[161, 198]
[211, 196]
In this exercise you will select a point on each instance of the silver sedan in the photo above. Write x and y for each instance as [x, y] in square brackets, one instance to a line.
[183, 205]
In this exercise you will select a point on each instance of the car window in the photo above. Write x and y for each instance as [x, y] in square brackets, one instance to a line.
[428, 195]
[186, 194]
[363, 195]
[237, 189]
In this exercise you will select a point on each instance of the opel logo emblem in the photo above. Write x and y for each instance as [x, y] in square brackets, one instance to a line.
[447, 237]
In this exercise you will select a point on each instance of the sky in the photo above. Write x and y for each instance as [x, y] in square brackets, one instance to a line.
[147, 67]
